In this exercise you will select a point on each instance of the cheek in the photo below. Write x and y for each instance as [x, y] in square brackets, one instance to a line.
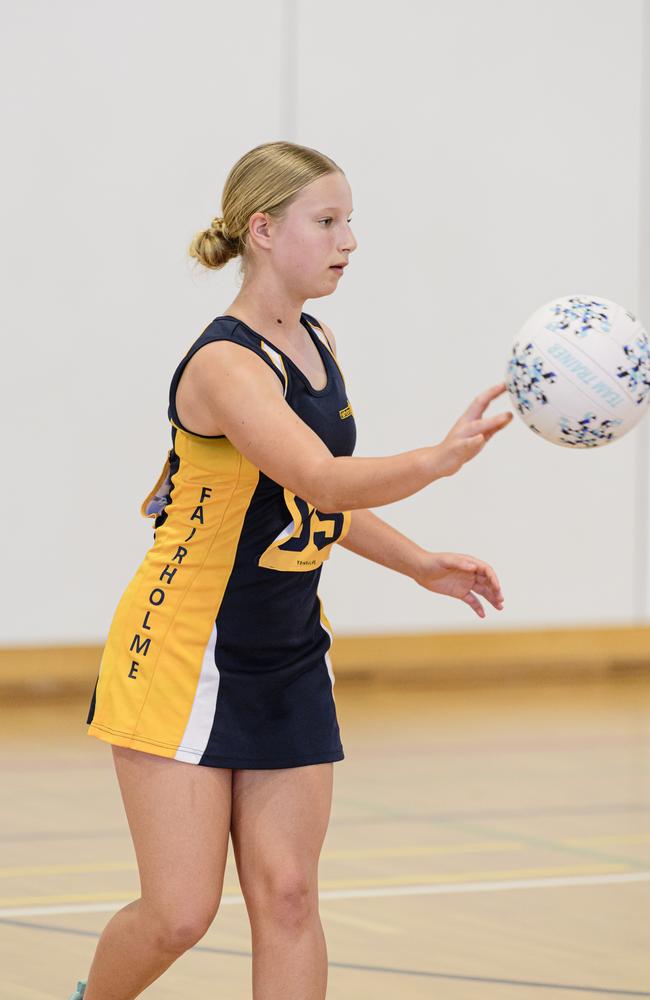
[305, 250]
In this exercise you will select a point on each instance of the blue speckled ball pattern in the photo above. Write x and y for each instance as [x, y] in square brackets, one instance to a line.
[529, 374]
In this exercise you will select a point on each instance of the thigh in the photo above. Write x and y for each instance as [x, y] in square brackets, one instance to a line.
[179, 818]
[278, 825]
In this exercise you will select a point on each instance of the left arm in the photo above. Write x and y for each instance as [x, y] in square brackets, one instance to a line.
[455, 574]
[452, 573]
[375, 539]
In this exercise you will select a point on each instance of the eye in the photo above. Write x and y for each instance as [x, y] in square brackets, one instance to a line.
[329, 219]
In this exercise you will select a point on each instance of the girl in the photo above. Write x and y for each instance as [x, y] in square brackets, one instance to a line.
[217, 654]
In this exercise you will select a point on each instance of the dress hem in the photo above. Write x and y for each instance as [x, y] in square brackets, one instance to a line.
[213, 760]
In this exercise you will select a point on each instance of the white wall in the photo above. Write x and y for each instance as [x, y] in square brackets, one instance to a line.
[494, 149]
[494, 152]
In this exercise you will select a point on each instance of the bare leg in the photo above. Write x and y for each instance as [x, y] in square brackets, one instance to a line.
[179, 818]
[279, 821]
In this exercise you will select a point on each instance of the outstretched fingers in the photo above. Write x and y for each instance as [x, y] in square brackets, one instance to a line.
[478, 405]
[474, 603]
[487, 586]
[488, 426]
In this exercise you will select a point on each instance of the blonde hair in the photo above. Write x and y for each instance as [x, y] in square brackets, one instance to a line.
[265, 179]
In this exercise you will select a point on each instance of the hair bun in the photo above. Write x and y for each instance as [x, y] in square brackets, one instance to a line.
[219, 225]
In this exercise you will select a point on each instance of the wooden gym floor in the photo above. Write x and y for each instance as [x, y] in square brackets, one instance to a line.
[485, 844]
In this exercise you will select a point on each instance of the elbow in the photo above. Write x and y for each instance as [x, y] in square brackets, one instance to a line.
[334, 502]
[326, 491]
[322, 488]
[324, 501]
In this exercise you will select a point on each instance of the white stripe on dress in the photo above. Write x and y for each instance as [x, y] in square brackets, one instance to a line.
[278, 362]
[199, 725]
[328, 662]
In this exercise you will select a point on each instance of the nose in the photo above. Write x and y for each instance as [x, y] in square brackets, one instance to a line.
[348, 243]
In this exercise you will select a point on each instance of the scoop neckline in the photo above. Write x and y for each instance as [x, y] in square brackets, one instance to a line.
[322, 351]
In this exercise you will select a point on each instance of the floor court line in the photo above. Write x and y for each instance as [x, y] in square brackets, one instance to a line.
[381, 816]
[423, 850]
[108, 906]
[386, 970]
[574, 844]
[517, 843]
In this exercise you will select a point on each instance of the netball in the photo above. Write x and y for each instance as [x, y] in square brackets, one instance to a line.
[579, 371]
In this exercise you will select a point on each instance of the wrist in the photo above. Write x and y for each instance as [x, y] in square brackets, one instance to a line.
[417, 562]
[435, 462]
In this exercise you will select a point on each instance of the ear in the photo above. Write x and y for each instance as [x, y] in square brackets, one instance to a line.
[258, 226]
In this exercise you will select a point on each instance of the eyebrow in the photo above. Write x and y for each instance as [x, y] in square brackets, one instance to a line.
[334, 209]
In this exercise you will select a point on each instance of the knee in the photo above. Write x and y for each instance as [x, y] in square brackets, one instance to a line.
[288, 902]
[178, 928]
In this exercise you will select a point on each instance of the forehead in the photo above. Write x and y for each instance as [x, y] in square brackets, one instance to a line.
[331, 191]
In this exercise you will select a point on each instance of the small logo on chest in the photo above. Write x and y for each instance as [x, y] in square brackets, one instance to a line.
[346, 411]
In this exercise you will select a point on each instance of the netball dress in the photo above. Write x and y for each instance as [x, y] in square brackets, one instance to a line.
[218, 651]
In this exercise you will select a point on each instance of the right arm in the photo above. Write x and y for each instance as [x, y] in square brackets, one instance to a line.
[243, 396]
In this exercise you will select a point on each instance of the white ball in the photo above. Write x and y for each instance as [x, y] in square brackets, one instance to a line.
[579, 374]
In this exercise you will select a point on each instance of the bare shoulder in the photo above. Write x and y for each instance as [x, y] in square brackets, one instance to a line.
[220, 358]
[328, 333]
[234, 393]
[221, 372]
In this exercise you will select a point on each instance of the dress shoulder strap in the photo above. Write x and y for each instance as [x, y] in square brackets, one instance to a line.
[227, 328]
[318, 330]
[322, 336]
[230, 328]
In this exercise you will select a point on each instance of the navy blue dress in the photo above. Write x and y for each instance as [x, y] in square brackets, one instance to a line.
[218, 653]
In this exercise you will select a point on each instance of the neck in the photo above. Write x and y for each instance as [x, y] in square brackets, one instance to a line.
[270, 310]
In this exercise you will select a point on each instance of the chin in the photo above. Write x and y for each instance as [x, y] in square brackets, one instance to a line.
[322, 289]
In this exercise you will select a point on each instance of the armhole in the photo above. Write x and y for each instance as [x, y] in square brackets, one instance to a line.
[262, 350]
[158, 497]
[172, 412]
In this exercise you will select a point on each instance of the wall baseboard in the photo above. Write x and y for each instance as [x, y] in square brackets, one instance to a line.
[443, 658]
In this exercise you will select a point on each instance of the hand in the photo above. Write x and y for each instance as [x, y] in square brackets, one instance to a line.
[461, 576]
[469, 434]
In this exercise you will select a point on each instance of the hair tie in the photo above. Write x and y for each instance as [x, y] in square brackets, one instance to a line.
[220, 226]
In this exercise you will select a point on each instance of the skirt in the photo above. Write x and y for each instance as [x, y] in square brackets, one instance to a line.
[221, 702]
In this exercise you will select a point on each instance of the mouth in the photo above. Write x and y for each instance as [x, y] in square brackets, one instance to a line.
[338, 267]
